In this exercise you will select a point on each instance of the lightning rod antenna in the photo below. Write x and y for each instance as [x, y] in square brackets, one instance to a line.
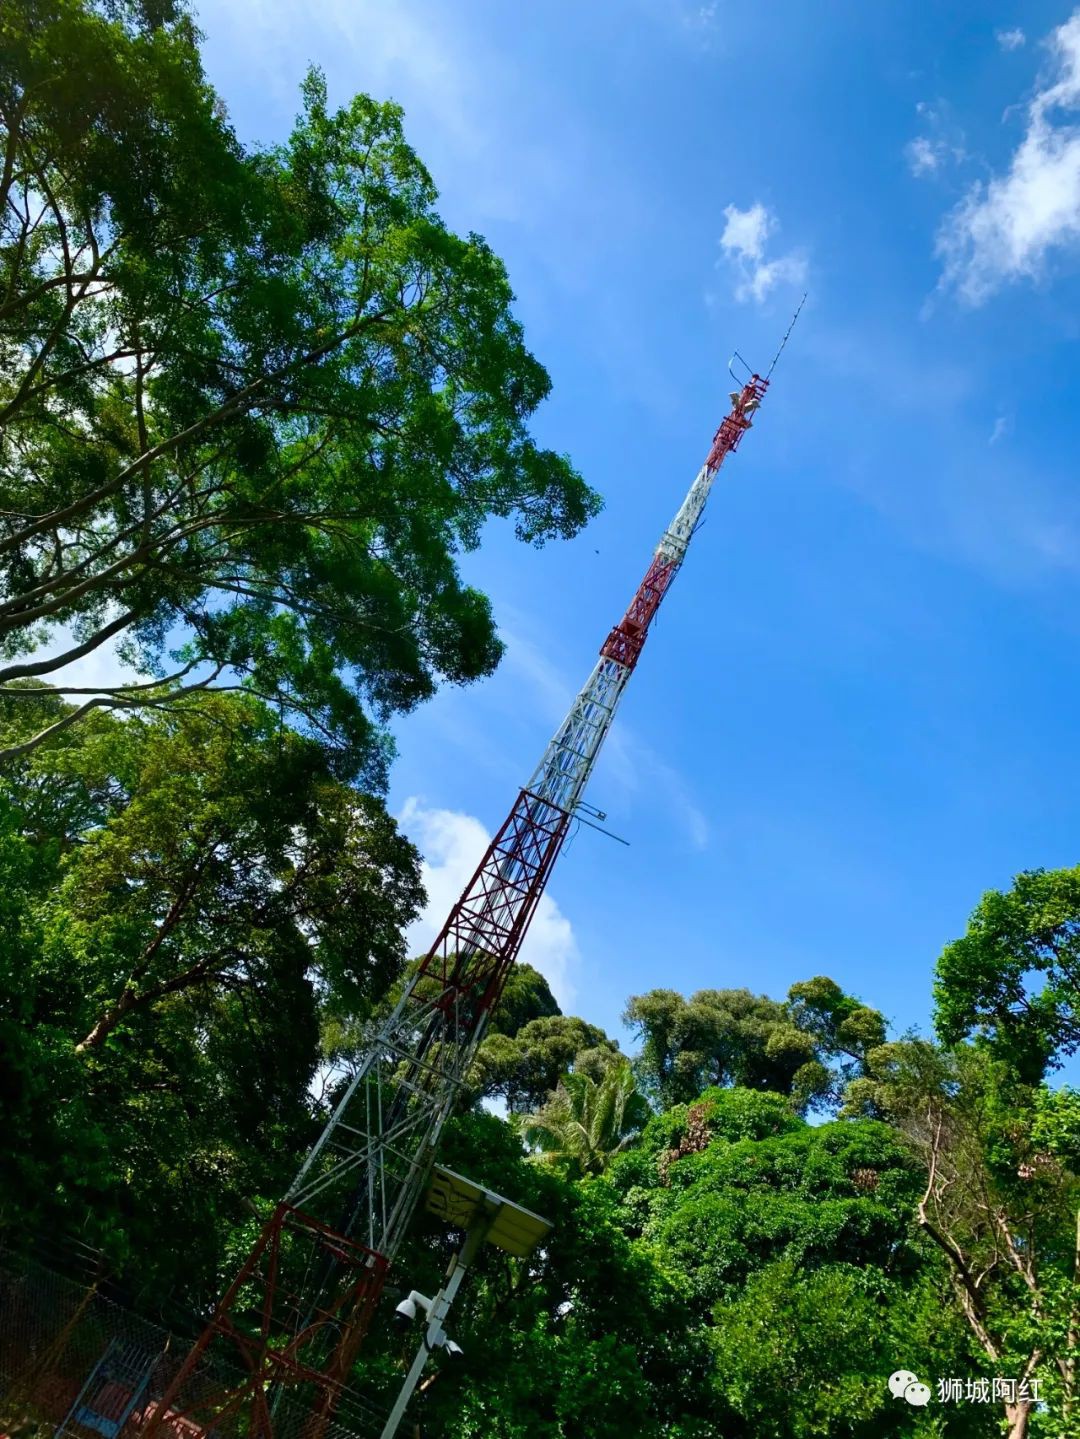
[787, 334]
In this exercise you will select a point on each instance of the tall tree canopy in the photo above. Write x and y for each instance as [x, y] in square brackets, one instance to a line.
[524, 1068]
[1001, 1201]
[525, 996]
[186, 892]
[794, 1244]
[807, 1047]
[252, 405]
[1014, 976]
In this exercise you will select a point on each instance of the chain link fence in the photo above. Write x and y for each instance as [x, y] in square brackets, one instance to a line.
[74, 1362]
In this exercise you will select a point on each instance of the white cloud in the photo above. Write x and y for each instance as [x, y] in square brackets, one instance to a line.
[631, 767]
[1005, 230]
[787, 270]
[746, 231]
[531, 663]
[453, 844]
[1011, 39]
[1002, 427]
[744, 245]
[925, 156]
[931, 152]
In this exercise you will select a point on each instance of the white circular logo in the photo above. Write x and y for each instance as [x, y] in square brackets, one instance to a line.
[905, 1385]
[899, 1381]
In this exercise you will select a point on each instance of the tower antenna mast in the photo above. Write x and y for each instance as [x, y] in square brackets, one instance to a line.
[298, 1322]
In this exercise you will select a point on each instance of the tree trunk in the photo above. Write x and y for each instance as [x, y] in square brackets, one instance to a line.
[1017, 1416]
[201, 973]
[108, 1022]
[1069, 1368]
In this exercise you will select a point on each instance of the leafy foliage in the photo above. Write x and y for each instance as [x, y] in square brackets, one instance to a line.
[796, 1243]
[1015, 975]
[1001, 1203]
[259, 401]
[189, 889]
[807, 1048]
[524, 1068]
[526, 996]
[587, 1121]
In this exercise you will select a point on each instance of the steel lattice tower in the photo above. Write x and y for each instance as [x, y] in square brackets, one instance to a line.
[354, 1196]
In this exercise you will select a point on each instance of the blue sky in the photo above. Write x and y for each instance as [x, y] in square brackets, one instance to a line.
[856, 711]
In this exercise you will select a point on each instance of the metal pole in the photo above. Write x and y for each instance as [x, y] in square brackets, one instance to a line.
[434, 1334]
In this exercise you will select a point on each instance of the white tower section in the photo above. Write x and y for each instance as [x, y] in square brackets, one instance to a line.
[561, 776]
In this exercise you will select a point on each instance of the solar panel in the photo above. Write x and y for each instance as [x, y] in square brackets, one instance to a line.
[460, 1201]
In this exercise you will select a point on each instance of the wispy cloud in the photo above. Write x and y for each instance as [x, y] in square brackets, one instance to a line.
[631, 767]
[530, 663]
[696, 20]
[1013, 521]
[925, 156]
[1011, 39]
[940, 146]
[700, 17]
[1006, 230]
[452, 844]
[636, 767]
[745, 253]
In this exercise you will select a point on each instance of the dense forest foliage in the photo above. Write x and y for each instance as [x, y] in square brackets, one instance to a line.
[253, 408]
[760, 1214]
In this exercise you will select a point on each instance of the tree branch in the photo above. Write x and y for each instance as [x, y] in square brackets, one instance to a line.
[101, 701]
[243, 399]
[44, 667]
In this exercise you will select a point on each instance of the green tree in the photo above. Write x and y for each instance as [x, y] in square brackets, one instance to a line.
[1000, 1201]
[844, 1029]
[1014, 976]
[526, 996]
[525, 1067]
[189, 889]
[587, 1121]
[795, 1244]
[508, 1060]
[588, 1336]
[252, 405]
[807, 1047]
[236, 858]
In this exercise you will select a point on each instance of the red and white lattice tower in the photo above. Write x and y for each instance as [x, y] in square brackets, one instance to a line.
[358, 1188]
